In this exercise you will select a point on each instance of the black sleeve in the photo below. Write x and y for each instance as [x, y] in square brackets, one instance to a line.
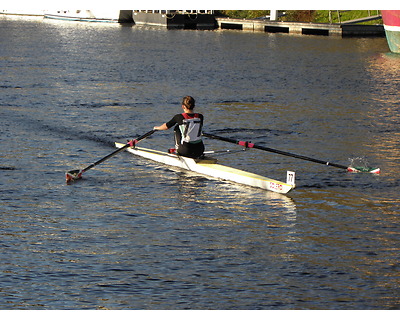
[176, 119]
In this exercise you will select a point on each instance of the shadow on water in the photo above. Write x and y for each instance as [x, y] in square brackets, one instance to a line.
[72, 132]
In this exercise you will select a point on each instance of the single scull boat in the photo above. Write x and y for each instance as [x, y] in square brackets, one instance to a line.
[209, 167]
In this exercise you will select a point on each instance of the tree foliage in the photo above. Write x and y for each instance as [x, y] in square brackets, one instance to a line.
[244, 14]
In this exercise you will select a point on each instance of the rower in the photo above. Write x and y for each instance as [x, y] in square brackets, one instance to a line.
[188, 130]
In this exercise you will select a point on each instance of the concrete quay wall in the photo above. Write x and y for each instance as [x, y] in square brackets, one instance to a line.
[300, 27]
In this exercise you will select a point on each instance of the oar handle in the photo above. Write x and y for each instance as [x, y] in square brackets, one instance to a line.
[247, 144]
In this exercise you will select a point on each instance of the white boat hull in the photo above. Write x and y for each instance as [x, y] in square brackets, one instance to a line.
[210, 168]
[83, 15]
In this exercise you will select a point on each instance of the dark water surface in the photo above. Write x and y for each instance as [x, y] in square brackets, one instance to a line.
[137, 235]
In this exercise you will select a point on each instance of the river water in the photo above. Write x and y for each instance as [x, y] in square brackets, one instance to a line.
[133, 234]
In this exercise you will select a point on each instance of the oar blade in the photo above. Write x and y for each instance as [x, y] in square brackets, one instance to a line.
[73, 175]
[364, 169]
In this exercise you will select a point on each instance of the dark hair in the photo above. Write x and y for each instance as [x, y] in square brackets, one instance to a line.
[188, 102]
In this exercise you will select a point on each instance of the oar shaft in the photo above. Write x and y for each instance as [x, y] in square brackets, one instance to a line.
[131, 143]
[77, 174]
[105, 158]
[302, 157]
[252, 145]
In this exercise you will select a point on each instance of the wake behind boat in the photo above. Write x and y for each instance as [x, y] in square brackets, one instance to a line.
[210, 168]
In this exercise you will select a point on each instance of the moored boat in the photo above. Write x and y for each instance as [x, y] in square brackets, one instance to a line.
[76, 15]
[176, 19]
[113, 16]
[391, 22]
[210, 168]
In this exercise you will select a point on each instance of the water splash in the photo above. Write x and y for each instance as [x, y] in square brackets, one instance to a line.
[361, 162]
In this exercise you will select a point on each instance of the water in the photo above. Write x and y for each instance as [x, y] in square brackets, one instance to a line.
[137, 235]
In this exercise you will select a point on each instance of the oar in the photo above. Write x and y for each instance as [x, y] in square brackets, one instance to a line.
[77, 174]
[247, 144]
[7, 168]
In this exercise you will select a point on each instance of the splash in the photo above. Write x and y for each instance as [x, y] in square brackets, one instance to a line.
[360, 164]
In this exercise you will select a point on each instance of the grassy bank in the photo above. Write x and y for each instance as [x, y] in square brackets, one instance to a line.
[316, 16]
[336, 16]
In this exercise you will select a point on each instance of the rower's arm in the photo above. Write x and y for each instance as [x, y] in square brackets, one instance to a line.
[162, 127]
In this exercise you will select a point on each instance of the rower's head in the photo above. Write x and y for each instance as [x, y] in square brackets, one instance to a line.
[188, 102]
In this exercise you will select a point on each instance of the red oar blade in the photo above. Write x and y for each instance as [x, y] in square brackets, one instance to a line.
[364, 169]
[73, 175]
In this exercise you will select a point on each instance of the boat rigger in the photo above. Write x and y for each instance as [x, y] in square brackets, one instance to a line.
[210, 167]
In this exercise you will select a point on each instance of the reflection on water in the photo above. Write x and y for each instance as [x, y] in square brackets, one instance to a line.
[384, 69]
[232, 197]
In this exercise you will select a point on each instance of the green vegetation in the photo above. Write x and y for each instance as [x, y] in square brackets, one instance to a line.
[316, 16]
[243, 14]
[337, 16]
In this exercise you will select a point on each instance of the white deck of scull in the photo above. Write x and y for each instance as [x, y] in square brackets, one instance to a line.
[210, 168]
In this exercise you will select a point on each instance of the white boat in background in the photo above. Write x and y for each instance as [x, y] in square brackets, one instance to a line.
[77, 15]
[210, 168]
[113, 16]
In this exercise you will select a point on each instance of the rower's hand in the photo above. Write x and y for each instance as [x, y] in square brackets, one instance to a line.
[132, 143]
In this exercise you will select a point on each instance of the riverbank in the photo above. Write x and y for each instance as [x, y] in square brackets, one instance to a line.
[304, 16]
[211, 20]
[344, 30]
[343, 23]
